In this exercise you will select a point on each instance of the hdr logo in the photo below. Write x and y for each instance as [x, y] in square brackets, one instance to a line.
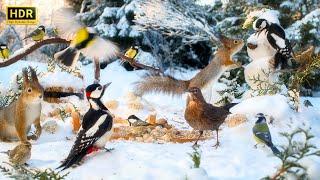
[22, 15]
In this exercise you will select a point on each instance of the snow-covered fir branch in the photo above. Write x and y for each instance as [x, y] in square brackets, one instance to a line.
[182, 19]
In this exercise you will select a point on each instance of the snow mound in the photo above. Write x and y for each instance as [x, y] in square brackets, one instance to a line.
[61, 79]
[273, 105]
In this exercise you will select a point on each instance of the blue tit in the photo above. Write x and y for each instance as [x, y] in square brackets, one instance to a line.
[4, 51]
[83, 39]
[132, 52]
[262, 134]
[38, 34]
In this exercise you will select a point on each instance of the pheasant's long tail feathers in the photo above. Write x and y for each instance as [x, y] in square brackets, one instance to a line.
[68, 56]
[162, 84]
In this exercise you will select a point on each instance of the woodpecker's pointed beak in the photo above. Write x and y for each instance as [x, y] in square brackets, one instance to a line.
[106, 85]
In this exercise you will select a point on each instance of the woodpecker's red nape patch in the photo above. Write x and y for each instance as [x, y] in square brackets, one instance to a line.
[88, 94]
[92, 149]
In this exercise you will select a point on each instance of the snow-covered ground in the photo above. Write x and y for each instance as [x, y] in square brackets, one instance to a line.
[236, 158]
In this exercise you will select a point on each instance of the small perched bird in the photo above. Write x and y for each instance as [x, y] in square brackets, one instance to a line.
[262, 134]
[38, 34]
[4, 51]
[95, 130]
[202, 116]
[132, 52]
[20, 154]
[277, 38]
[83, 39]
[135, 121]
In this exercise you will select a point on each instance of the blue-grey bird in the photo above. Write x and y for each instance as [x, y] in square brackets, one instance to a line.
[262, 134]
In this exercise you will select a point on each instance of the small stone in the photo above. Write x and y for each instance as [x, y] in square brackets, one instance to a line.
[162, 121]
[151, 119]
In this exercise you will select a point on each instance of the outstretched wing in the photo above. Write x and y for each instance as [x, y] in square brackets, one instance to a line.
[86, 139]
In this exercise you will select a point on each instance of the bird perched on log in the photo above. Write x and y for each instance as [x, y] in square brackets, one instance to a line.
[20, 154]
[38, 34]
[202, 116]
[135, 121]
[95, 130]
[4, 51]
[277, 39]
[262, 134]
[83, 39]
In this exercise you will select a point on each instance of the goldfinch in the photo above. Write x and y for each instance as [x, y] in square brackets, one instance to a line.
[262, 134]
[83, 39]
[38, 34]
[4, 51]
[132, 52]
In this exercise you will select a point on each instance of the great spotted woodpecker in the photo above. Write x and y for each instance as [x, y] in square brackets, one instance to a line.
[96, 127]
[277, 38]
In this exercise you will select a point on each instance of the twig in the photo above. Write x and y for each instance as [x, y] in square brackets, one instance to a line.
[96, 70]
[32, 48]
[137, 64]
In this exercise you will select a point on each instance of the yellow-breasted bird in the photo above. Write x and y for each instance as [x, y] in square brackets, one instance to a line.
[83, 39]
[38, 34]
[4, 51]
[132, 52]
[262, 134]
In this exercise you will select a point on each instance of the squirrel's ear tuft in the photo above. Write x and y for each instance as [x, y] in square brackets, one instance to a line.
[34, 77]
[25, 76]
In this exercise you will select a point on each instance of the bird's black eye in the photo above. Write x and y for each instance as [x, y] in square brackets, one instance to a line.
[99, 88]
[236, 41]
[29, 90]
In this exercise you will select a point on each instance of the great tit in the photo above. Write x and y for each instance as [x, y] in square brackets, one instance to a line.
[132, 52]
[262, 134]
[83, 39]
[4, 51]
[38, 34]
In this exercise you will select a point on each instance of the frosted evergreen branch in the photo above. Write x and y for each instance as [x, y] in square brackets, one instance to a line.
[174, 19]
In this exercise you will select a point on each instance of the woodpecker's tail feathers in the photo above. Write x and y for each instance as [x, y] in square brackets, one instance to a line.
[72, 160]
[163, 84]
[68, 56]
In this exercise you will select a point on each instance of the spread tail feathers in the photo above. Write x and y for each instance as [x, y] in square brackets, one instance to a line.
[68, 56]
[163, 84]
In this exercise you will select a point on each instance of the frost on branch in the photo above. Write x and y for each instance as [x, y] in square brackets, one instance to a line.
[182, 19]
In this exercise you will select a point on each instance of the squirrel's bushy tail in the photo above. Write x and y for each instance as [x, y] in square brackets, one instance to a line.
[164, 84]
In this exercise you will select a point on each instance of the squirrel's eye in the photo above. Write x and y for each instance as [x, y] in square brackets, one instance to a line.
[29, 90]
[235, 41]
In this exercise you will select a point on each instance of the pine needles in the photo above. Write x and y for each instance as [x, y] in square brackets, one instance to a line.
[292, 154]
[22, 172]
[196, 157]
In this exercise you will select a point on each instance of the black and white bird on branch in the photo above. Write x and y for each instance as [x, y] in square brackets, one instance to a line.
[96, 128]
[277, 38]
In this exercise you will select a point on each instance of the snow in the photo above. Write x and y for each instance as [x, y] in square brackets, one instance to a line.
[235, 159]
[61, 79]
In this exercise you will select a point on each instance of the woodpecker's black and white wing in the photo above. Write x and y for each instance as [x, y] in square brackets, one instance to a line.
[95, 125]
[276, 36]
